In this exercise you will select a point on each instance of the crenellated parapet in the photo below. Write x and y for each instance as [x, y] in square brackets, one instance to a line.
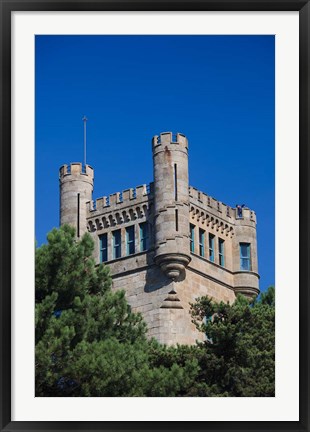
[76, 169]
[178, 142]
[118, 200]
[206, 204]
[119, 208]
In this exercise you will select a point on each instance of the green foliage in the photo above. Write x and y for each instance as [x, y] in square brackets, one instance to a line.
[89, 343]
[79, 319]
[237, 358]
[109, 368]
[240, 345]
[180, 361]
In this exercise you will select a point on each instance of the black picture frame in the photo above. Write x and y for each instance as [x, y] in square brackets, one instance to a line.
[9, 6]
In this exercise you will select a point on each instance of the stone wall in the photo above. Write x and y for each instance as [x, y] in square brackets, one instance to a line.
[165, 304]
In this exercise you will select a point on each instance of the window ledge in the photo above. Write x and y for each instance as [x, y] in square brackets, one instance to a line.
[122, 258]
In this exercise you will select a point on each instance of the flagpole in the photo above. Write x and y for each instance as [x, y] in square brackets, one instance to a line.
[84, 120]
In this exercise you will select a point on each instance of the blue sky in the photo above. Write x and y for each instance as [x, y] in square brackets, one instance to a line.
[217, 90]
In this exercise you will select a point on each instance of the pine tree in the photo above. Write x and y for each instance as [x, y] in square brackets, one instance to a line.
[238, 356]
[81, 322]
[89, 343]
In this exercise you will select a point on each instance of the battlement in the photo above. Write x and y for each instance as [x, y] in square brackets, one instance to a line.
[218, 208]
[168, 138]
[127, 197]
[76, 169]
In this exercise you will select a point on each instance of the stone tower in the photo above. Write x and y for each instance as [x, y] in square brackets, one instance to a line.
[246, 282]
[171, 203]
[166, 243]
[76, 188]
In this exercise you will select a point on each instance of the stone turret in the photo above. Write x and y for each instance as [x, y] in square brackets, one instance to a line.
[171, 202]
[76, 188]
[245, 263]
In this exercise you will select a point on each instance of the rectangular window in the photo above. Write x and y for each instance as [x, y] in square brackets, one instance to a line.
[176, 220]
[221, 252]
[78, 215]
[245, 256]
[239, 211]
[130, 240]
[201, 242]
[192, 237]
[211, 247]
[144, 236]
[103, 241]
[117, 245]
[175, 182]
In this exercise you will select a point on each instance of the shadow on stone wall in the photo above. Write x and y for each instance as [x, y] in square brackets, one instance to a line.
[156, 279]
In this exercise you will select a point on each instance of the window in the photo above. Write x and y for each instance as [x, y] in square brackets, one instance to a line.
[192, 237]
[245, 256]
[206, 320]
[175, 182]
[221, 252]
[201, 242]
[130, 240]
[78, 215]
[117, 238]
[211, 247]
[240, 211]
[144, 236]
[103, 242]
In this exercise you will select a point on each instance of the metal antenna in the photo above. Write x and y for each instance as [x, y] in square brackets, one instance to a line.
[85, 120]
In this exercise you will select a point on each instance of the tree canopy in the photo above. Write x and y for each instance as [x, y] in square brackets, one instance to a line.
[240, 344]
[90, 343]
